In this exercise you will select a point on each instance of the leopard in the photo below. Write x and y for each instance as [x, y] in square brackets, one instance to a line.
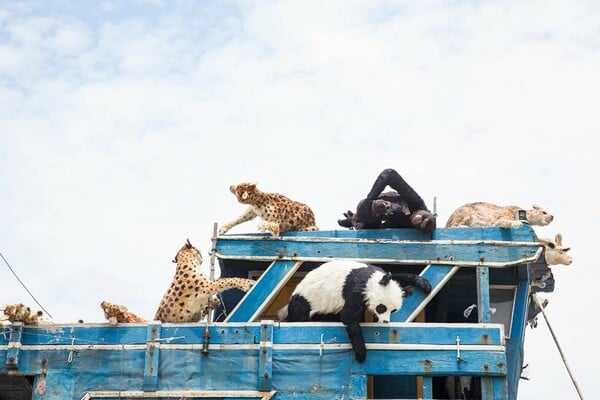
[191, 295]
[278, 212]
[19, 312]
[481, 213]
[116, 314]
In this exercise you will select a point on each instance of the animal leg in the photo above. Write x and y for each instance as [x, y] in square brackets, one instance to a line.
[272, 227]
[246, 216]
[390, 177]
[222, 284]
[358, 341]
[507, 223]
[412, 280]
[310, 228]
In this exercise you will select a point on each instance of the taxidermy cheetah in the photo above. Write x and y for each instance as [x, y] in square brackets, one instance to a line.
[279, 213]
[191, 294]
[20, 313]
[116, 314]
[487, 214]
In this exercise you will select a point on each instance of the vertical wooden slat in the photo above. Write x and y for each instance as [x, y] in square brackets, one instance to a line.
[151, 358]
[265, 356]
[14, 346]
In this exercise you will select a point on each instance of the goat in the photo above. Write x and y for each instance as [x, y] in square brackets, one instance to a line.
[555, 253]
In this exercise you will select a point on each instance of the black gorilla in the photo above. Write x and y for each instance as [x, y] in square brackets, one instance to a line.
[402, 208]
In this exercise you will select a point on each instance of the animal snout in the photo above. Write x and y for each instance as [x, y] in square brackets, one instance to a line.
[569, 260]
[379, 318]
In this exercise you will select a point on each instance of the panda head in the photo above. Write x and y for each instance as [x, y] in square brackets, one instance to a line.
[383, 296]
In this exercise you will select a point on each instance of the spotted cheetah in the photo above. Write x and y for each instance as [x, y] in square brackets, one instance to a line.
[278, 212]
[18, 312]
[116, 314]
[191, 294]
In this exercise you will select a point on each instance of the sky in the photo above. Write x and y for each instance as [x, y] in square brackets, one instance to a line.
[123, 123]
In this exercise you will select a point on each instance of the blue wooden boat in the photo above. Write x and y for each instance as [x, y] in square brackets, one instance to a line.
[246, 353]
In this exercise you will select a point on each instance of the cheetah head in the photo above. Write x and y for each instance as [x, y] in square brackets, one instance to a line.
[188, 254]
[244, 192]
[15, 312]
[112, 310]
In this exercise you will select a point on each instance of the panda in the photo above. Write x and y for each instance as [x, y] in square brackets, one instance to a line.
[347, 288]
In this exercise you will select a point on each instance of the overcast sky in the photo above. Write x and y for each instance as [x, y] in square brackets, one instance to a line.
[123, 123]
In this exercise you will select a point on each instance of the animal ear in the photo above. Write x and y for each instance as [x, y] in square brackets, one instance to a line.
[188, 244]
[558, 239]
[545, 241]
[536, 207]
[386, 279]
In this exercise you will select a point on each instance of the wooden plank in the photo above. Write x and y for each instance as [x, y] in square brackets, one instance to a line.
[395, 333]
[453, 249]
[14, 346]
[151, 358]
[427, 388]
[284, 332]
[483, 294]
[265, 356]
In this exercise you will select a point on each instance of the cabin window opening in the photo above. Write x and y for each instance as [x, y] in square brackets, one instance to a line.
[16, 387]
[281, 299]
[502, 301]
[394, 387]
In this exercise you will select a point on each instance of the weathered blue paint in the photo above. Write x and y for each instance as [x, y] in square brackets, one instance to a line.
[514, 345]
[451, 250]
[483, 295]
[265, 364]
[14, 347]
[151, 358]
[250, 359]
[427, 388]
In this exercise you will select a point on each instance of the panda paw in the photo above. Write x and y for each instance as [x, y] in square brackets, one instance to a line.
[361, 354]
[423, 284]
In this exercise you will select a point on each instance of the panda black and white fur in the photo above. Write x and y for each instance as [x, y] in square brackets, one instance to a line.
[348, 288]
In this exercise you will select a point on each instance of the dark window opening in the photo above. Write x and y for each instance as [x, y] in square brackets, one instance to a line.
[16, 387]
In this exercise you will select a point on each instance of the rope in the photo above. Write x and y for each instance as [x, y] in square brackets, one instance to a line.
[558, 345]
[21, 282]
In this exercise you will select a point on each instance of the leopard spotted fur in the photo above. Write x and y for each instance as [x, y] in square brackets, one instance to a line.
[190, 295]
[278, 212]
[116, 314]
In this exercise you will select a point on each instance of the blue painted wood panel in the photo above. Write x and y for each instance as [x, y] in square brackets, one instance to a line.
[296, 360]
[449, 248]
